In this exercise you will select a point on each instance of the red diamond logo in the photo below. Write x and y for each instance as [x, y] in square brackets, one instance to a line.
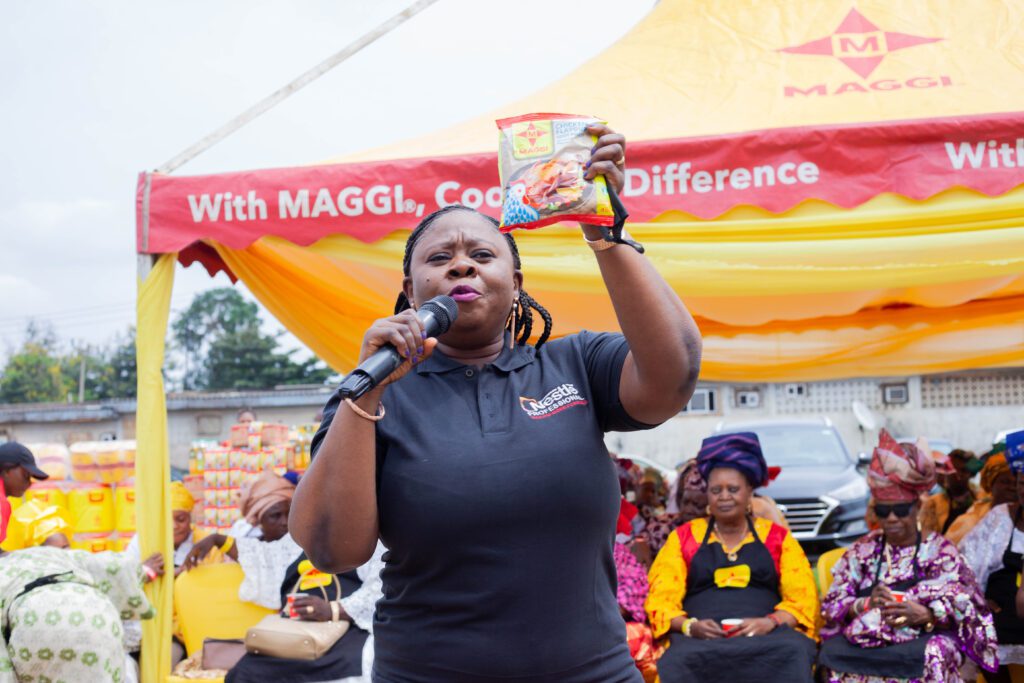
[859, 44]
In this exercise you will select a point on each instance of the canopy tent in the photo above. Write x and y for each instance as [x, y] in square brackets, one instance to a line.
[835, 191]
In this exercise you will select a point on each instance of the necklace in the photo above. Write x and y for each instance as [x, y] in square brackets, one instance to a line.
[732, 555]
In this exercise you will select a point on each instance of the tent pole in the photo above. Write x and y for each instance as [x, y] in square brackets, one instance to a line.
[143, 265]
[282, 93]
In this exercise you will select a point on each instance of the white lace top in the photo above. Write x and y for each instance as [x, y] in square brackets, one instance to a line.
[265, 566]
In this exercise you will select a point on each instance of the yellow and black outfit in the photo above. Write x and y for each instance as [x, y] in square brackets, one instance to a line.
[694, 576]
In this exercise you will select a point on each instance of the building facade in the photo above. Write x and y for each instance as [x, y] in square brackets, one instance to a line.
[190, 416]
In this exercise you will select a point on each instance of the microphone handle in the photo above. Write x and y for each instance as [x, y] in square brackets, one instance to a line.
[380, 364]
[436, 316]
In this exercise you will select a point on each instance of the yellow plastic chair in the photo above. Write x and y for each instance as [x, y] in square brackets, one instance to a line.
[207, 606]
[824, 569]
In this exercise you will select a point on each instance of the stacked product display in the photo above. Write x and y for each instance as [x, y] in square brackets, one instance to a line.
[97, 501]
[217, 472]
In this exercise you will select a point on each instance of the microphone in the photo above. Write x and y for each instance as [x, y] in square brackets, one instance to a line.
[437, 315]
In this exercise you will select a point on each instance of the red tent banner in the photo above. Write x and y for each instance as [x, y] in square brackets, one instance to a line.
[704, 177]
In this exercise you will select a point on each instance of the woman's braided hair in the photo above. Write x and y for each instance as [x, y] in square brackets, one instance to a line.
[525, 305]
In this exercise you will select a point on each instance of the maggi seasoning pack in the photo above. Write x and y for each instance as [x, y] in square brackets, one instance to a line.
[542, 160]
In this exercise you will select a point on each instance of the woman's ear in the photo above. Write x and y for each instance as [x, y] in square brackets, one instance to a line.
[407, 289]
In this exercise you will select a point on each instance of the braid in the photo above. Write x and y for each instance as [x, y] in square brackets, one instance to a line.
[527, 302]
[524, 306]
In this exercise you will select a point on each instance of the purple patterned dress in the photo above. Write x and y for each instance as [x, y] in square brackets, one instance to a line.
[945, 584]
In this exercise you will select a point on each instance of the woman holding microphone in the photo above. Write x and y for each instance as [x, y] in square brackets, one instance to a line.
[481, 463]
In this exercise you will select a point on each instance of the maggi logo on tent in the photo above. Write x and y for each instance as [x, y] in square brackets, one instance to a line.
[859, 44]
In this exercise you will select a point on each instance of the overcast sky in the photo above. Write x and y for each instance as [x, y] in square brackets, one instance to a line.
[95, 92]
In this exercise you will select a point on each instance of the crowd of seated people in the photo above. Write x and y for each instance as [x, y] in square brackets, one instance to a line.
[931, 594]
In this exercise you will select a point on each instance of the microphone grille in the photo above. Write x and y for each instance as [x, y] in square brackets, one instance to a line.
[445, 309]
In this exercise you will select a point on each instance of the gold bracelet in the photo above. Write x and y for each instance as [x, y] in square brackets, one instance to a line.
[365, 415]
[599, 244]
[228, 545]
[686, 626]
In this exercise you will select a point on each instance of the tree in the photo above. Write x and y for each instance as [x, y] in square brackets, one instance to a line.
[211, 314]
[33, 373]
[247, 359]
[224, 348]
[83, 358]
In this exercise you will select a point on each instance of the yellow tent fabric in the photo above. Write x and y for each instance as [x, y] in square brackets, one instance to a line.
[895, 292]
[694, 68]
[153, 510]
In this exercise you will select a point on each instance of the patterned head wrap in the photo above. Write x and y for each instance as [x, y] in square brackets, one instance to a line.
[740, 451]
[900, 472]
[40, 521]
[262, 494]
[995, 467]
[181, 499]
[690, 478]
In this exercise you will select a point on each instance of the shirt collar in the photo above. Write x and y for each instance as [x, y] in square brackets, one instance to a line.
[511, 358]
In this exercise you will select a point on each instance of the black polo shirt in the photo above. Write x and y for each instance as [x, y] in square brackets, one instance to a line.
[497, 502]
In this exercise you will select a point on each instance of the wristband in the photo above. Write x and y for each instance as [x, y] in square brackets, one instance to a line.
[365, 415]
[228, 544]
[775, 620]
[686, 626]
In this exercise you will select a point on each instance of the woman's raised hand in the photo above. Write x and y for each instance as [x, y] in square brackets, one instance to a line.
[608, 158]
[406, 333]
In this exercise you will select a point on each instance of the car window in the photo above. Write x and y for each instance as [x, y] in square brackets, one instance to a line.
[801, 446]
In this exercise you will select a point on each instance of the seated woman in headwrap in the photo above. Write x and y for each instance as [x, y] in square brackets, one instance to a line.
[733, 566]
[61, 610]
[182, 503]
[903, 606]
[998, 486]
[994, 550]
[957, 495]
[691, 502]
[273, 565]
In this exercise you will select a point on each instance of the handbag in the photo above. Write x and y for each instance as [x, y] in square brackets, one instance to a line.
[221, 654]
[277, 636]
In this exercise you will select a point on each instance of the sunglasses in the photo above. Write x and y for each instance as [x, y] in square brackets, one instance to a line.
[901, 510]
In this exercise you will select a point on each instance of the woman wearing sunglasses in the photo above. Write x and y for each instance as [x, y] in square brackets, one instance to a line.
[903, 606]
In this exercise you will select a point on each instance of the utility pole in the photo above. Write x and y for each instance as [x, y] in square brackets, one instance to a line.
[81, 381]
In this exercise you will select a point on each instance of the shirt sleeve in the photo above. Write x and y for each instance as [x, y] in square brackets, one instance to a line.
[325, 423]
[360, 605]
[796, 586]
[667, 580]
[604, 355]
[982, 548]
[265, 566]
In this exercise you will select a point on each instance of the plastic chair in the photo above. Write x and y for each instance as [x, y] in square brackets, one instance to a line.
[824, 569]
[207, 606]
